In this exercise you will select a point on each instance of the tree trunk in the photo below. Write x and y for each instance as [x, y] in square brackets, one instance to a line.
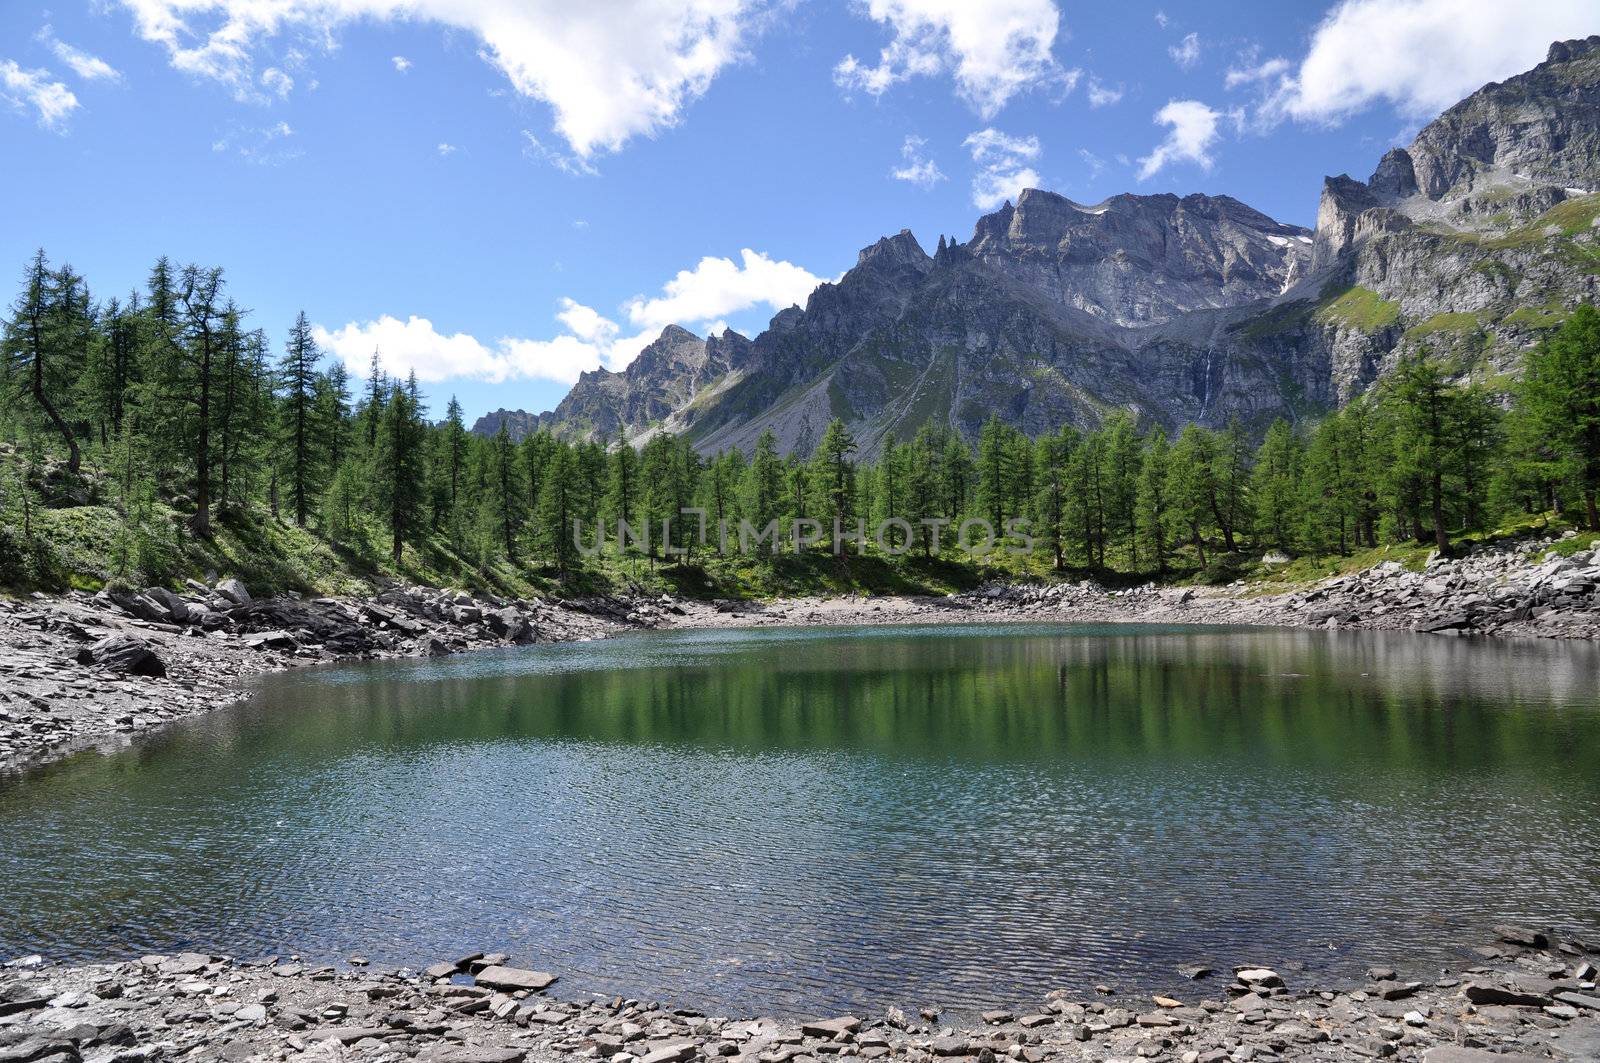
[74, 458]
[1594, 513]
[1441, 537]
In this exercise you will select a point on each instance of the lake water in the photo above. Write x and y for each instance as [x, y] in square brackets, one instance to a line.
[809, 820]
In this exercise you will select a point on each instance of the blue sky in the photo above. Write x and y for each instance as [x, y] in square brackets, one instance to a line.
[542, 185]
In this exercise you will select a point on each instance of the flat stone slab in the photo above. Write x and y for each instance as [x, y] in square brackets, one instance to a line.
[1479, 993]
[514, 978]
[830, 1027]
[1456, 1054]
[345, 1035]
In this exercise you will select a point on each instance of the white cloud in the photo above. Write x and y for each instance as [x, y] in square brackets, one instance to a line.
[85, 66]
[401, 63]
[262, 146]
[699, 298]
[609, 69]
[412, 345]
[1101, 94]
[1251, 71]
[50, 99]
[994, 50]
[1418, 56]
[277, 82]
[1186, 53]
[1193, 131]
[717, 287]
[1094, 162]
[917, 169]
[446, 150]
[1004, 169]
[574, 164]
[1161, 19]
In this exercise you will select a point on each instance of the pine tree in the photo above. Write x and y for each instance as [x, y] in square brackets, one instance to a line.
[1191, 486]
[764, 483]
[833, 476]
[200, 294]
[1426, 416]
[1123, 449]
[505, 480]
[400, 470]
[38, 347]
[1275, 486]
[1052, 462]
[297, 375]
[1561, 393]
[1154, 507]
[558, 505]
[1231, 500]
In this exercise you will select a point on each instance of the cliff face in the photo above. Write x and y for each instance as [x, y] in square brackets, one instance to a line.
[1472, 241]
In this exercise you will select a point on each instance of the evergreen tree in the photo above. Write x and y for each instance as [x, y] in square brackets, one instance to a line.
[1191, 486]
[833, 476]
[1154, 507]
[1561, 394]
[505, 480]
[1426, 414]
[297, 375]
[38, 347]
[400, 470]
[1275, 486]
[764, 483]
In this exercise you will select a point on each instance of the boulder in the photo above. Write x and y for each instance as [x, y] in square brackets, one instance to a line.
[234, 591]
[176, 607]
[125, 654]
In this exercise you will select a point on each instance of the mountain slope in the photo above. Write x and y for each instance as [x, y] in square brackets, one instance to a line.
[1471, 242]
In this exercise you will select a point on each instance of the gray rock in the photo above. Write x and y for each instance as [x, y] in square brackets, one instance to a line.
[234, 591]
[514, 978]
[125, 654]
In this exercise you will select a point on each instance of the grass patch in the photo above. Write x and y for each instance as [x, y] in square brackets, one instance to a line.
[1453, 323]
[1358, 308]
[1549, 316]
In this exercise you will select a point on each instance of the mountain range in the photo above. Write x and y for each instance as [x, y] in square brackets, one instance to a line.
[1472, 242]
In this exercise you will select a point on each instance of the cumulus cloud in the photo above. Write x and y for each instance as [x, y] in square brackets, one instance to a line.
[1192, 131]
[1004, 168]
[445, 149]
[916, 167]
[87, 67]
[1418, 56]
[1186, 53]
[994, 50]
[717, 287]
[586, 339]
[50, 100]
[401, 63]
[610, 70]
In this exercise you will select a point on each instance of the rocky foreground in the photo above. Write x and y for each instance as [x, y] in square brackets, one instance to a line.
[1522, 589]
[1530, 996]
[85, 669]
[96, 669]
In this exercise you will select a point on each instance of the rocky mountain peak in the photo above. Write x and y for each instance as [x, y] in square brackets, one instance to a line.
[1136, 260]
[1499, 158]
[900, 249]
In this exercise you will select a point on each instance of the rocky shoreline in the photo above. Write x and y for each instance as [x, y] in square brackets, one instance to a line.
[1529, 996]
[84, 670]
